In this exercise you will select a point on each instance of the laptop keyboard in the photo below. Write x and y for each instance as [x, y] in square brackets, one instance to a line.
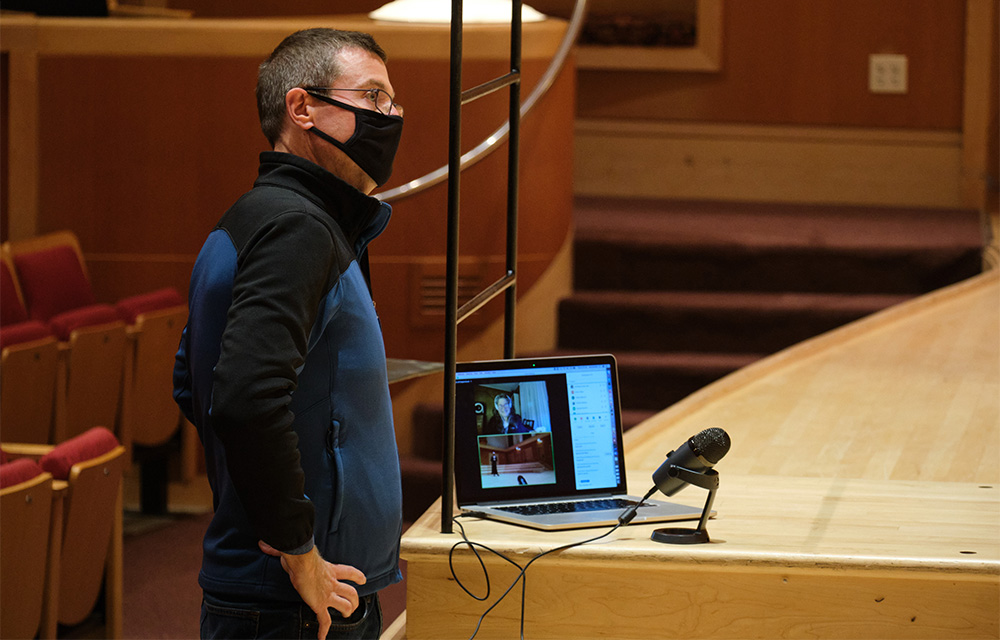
[602, 504]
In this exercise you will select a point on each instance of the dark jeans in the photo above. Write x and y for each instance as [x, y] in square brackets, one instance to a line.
[246, 621]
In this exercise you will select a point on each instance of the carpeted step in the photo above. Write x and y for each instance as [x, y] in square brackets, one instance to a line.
[421, 480]
[652, 381]
[643, 245]
[421, 471]
[600, 264]
[632, 417]
[428, 421]
[710, 322]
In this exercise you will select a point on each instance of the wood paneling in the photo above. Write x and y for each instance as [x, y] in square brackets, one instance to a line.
[805, 63]
[769, 163]
[141, 155]
[981, 148]
[5, 148]
[148, 131]
[266, 8]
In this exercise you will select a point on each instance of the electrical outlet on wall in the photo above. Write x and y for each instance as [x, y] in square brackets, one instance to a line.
[887, 73]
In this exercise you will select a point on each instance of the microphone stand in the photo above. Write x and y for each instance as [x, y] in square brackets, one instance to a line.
[708, 479]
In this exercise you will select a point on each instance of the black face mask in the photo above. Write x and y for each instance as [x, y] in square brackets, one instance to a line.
[375, 140]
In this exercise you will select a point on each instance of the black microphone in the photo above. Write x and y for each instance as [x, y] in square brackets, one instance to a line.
[698, 454]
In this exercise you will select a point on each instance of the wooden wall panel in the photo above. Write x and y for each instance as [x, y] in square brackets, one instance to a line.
[881, 167]
[4, 145]
[141, 154]
[265, 8]
[804, 63]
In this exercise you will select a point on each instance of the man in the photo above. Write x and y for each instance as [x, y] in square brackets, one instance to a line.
[282, 367]
[504, 420]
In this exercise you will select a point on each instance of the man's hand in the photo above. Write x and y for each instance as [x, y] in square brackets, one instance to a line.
[319, 583]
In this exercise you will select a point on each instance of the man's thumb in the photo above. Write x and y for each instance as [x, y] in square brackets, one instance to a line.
[268, 549]
[324, 624]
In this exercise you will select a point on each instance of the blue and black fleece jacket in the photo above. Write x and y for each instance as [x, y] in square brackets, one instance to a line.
[282, 368]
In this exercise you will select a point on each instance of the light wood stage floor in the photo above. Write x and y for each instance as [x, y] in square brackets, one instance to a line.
[861, 498]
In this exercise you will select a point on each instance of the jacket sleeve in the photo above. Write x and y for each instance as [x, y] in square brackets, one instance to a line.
[282, 274]
[182, 379]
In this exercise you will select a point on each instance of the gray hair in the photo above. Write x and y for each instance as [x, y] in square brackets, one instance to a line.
[497, 397]
[305, 58]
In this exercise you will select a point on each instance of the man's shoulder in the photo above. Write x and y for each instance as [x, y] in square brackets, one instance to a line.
[267, 206]
[265, 202]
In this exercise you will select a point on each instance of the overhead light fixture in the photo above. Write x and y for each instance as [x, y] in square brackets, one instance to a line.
[439, 12]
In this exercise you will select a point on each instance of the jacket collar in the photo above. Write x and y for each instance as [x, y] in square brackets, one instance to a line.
[361, 217]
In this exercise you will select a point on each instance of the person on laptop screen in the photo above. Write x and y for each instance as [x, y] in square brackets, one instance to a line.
[504, 420]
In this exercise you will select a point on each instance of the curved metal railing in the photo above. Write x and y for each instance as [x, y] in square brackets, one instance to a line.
[488, 145]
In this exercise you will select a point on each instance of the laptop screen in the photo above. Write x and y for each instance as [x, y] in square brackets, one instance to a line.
[528, 429]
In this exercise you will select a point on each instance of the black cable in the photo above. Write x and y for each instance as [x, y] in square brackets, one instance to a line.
[623, 520]
[472, 545]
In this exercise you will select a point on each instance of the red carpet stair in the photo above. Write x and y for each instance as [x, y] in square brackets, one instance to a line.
[684, 293]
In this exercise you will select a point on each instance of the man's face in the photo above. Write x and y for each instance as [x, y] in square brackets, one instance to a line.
[362, 70]
[503, 406]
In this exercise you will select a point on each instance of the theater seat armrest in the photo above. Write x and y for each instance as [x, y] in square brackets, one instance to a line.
[15, 450]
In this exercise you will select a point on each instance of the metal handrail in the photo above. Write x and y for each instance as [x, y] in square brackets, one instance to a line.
[453, 171]
[457, 98]
[490, 144]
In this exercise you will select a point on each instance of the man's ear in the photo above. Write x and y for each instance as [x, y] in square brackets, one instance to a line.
[298, 108]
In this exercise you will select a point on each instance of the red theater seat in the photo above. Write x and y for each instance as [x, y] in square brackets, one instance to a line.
[28, 554]
[17, 471]
[12, 309]
[133, 308]
[155, 321]
[28, 331]
[56, 290]
[87, 471]
[52, 279]
[65, 323]
[137, 395]
[93, 443]
[29, 368]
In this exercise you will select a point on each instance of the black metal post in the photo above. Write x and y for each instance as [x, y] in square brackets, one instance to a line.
[451, 274]
[513, 149]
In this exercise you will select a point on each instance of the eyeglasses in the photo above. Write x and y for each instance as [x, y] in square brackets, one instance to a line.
[379, 98]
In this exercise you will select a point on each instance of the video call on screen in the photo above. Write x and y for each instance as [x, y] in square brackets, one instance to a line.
[530, 431]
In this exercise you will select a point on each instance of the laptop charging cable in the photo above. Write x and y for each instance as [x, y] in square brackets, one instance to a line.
[623, 520]
[692, 462]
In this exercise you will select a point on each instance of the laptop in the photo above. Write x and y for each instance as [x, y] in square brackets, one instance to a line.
[538, 442]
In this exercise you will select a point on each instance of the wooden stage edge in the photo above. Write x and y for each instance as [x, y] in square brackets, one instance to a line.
[860, 500]
[789, 558]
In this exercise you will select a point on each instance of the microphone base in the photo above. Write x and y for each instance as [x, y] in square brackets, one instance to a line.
[670, 535]
[680, 536]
